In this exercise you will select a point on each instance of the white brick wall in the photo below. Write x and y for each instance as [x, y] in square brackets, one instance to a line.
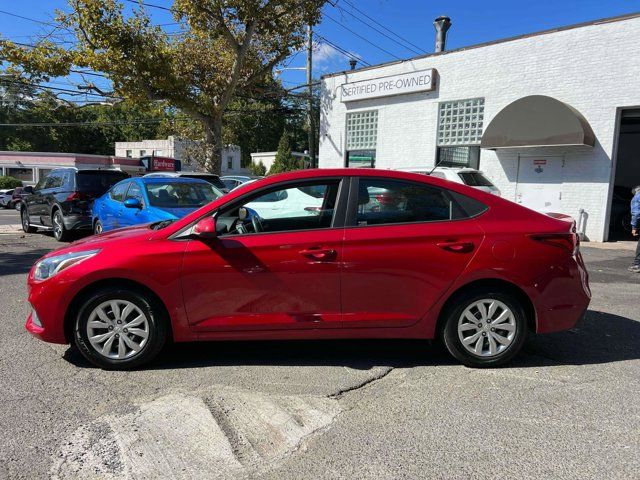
[594, 68]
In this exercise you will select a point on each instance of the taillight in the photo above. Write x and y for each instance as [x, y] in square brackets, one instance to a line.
[567, 241]
[78, 196]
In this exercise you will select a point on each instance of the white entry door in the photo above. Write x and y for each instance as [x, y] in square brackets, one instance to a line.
[540, 182]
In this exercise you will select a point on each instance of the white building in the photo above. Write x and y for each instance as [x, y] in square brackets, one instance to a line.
[267, 158]
[553, 118]
[180, 149]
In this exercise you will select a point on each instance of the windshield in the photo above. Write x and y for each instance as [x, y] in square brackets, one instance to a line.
[475, 179]
[181, 194]
[212, 179]
[98, 182]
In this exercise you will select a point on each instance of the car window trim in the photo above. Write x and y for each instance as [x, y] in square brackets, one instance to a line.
[352, 213]
[338, 221]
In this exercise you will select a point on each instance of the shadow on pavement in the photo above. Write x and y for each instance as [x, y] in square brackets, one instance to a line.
[599, 338]
[20, 262]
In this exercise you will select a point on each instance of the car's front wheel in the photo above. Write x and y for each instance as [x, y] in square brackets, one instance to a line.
[485, 329]
[97, 227]
[120, 329]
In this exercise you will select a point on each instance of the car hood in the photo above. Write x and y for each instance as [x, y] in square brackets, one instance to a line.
[107, 240]
[171, 213]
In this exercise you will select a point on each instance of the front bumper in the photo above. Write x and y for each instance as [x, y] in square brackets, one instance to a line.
[48, 308]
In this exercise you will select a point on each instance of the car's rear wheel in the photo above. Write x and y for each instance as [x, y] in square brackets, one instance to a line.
[484, 329]
[120, 329]
[97, 227]
[60, 232]
[24, 219]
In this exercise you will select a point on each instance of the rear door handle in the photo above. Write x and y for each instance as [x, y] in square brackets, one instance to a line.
[458, 247]
[318, 253]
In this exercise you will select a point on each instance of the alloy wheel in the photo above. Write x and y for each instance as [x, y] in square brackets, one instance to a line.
[57, 225]
[487, 328]
[118, 329]
[25, 219]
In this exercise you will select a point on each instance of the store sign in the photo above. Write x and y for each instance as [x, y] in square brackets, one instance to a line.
[422, 81]
[159, 164]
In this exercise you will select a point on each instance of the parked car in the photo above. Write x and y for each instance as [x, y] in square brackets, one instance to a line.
[234, 181]
[447, 262]
[5, 197]
[18, 194]
[209, 177]
[467, 176]
[145, 200]
[61, 202]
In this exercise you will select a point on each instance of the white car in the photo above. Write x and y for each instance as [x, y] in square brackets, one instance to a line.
[468, 176]
[289, 203]
[5, 197]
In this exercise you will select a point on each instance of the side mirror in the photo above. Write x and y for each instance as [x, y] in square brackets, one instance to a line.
[132, 203]
[205, 228]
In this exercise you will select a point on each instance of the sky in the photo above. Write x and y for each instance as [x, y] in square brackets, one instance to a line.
[404, 28]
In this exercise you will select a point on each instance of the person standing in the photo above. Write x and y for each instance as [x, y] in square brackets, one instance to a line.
[635, 218]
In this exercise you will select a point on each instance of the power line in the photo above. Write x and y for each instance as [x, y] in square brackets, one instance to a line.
[363, 38]
[381, 25]
[28, 18]
[339, 49]
[375, 29]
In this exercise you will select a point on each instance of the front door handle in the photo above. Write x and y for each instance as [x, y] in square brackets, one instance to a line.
[318, 253]
[457, 247]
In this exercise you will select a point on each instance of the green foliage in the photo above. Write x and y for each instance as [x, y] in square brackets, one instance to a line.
[285, 161]
[9, 182]
[258, 168]
[228, 48]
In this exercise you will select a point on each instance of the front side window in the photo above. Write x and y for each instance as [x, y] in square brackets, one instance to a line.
[382, 202]
[134, 192]
[301, 207]
[362, 139]
[181, 194]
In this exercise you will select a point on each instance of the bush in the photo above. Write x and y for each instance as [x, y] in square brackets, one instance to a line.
[258, 169]
[9, 182]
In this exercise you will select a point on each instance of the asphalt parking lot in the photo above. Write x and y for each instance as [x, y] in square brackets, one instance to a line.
[568, 407]
[9, 216]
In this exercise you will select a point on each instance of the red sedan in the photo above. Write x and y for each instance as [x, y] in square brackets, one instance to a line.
[314, 255]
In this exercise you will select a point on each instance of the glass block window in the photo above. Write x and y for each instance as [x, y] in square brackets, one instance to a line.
[362, 130]
[460, 122]
[459, 157]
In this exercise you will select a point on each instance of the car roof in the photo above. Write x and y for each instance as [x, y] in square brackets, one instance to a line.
[171, 179]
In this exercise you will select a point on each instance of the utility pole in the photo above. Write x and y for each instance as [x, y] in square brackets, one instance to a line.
[310, 119]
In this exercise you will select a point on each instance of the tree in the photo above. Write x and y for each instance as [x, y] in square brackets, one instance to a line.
[258, 169]
[285, 161]
[226, 49]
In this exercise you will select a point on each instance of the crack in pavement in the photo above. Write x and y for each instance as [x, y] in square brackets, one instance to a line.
[340, 393]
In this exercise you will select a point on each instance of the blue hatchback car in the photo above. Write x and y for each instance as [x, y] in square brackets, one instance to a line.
[146, 200]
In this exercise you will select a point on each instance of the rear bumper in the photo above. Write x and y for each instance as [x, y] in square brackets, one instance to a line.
[77, 222]
[563, 296]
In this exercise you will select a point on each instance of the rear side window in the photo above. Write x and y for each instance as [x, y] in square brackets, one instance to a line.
[475, 179]
[97, 183]
[117, 193]
[383, 202]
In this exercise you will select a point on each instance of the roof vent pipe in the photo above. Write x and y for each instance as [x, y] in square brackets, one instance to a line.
[353, 63]
[442, 24]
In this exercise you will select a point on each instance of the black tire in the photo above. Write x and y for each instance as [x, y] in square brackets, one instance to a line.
[97, 227]
[157, 328]
[453, 343]
[24, 219]
[60, 233]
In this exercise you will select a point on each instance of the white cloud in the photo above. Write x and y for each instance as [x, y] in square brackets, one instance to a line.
[326, 57]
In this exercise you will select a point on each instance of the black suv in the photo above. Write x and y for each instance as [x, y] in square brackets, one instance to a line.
[62, 200]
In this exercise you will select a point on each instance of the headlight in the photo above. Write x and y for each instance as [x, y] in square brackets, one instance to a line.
[50, 266]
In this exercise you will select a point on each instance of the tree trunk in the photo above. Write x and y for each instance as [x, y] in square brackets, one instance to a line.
[213, 145]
